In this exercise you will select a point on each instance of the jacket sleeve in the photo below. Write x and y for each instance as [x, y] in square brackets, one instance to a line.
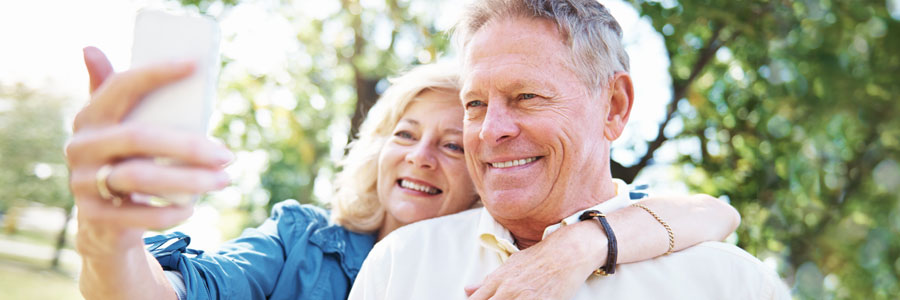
[244, 268]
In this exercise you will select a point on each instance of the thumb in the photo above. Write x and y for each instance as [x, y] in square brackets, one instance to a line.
[98, 66]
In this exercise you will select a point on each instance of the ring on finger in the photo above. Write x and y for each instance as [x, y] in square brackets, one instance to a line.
[103, 185]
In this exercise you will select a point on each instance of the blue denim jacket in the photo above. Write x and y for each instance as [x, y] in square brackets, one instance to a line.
[295, 254]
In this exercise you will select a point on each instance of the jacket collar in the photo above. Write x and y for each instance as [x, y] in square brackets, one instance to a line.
[352, 247]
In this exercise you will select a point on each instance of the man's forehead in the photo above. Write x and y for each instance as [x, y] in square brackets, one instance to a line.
[514, 35]
[526, 42]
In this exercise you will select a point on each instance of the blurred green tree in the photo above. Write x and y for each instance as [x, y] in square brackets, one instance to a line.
[33, 166]
[303, 114]
[791, 106]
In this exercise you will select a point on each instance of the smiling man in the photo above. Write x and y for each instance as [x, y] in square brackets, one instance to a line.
[545, 91]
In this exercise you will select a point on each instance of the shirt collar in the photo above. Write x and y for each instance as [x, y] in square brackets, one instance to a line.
[620, 200]
[496, 238]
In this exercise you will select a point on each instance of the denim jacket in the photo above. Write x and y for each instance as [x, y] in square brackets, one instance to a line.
[295, 254]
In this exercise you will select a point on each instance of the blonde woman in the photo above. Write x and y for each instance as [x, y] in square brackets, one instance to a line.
[406, 166]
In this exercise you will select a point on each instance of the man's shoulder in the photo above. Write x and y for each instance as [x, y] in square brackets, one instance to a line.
[720, 255]
[457, 223]
[420, 242]
[725, 251]
[423, 239]
[735, 274]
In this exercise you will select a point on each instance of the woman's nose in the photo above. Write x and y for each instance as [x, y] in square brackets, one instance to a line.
[421, 155]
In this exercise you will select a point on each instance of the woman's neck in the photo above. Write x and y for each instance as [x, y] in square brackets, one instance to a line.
[389, 225]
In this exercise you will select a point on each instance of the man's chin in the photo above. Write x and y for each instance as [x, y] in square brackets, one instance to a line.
[509, 204]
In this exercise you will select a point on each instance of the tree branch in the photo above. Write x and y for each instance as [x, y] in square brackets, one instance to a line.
[679, 89]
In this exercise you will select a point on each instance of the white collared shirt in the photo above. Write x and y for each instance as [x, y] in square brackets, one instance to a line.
[496, 238]
[438, 258]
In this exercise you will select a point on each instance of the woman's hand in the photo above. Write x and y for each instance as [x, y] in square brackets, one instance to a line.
[556, 267]
[109, 234]
[553, 269]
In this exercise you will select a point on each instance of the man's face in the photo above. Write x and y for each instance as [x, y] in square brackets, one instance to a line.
[533, 132]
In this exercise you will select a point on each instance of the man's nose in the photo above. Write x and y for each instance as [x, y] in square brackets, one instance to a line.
[499, 124]
[421, 155]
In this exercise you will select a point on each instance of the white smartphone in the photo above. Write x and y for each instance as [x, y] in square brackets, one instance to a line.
[161, 37]
[187, 104]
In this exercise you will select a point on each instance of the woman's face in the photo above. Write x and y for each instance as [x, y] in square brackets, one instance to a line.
[421, 169]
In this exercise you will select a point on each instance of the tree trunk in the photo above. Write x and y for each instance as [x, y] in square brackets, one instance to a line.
[366, 96]
[61, 239]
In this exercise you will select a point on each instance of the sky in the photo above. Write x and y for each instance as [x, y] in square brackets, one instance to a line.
[42, 43]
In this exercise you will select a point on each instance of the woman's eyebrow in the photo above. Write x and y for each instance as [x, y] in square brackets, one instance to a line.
[453, 131]
[410, 121]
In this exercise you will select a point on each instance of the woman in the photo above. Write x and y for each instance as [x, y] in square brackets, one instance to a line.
[407, 166]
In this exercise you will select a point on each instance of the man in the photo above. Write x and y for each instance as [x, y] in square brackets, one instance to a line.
[545, 91]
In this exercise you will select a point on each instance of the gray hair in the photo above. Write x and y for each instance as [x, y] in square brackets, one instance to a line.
[591, 33]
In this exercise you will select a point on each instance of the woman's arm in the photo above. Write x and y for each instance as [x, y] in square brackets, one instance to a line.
[556, 267]
[694, 219]
[115, 264]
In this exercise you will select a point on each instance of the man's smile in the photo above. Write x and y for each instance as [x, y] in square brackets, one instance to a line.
[514, 162]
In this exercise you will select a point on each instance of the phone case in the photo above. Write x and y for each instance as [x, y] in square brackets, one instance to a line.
[161, 37]
[187, 104]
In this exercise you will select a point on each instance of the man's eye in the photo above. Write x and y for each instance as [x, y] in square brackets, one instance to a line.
[474, 103]
[454, 147]
[404, 135]
[527, 96]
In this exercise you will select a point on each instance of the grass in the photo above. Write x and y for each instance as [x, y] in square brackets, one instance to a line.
[24, 280]
[31, 236]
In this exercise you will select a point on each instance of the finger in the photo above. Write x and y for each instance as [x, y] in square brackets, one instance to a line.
[485, 291]
[133, 215]
[98, 66]
[145, 177]
[118, 94]
[470, 289]
[511, 293]
[98, 147]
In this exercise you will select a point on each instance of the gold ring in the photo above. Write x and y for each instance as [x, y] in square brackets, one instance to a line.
[103, 187]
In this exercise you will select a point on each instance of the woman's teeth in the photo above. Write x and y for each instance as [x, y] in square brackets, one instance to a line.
[513, 163]
[418, 187]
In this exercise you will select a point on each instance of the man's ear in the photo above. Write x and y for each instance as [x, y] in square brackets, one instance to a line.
[621, 98]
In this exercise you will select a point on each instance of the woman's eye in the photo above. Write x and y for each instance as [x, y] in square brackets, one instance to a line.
[527, 96]
[474, 103]
[404, 135]
[454, 147]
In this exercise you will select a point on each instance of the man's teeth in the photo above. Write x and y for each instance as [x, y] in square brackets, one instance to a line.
[513, 163]
[419, 187]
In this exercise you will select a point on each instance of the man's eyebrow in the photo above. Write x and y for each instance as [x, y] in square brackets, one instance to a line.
[470, 94]
[530, 84]
[520, 84]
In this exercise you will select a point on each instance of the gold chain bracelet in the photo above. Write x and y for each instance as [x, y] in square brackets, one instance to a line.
[666, 226]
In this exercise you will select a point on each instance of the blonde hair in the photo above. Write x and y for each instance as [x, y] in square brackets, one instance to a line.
[592, 34]
[355, 205]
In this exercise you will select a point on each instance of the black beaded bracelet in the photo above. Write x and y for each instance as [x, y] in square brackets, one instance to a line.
[612, 251]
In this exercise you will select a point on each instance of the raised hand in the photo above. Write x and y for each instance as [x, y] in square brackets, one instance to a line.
[106, 154]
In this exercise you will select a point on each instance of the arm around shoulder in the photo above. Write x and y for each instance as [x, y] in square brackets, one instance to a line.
[642, 231]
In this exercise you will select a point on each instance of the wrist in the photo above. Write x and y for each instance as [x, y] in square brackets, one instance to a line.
[107, 244]
[609, 267]
[592, 244]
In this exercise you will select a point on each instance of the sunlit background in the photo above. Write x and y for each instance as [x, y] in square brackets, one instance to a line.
[784, 109]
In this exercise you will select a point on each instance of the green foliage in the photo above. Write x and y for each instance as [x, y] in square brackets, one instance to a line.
[794, 119]
[31, 156]
[303, 114]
